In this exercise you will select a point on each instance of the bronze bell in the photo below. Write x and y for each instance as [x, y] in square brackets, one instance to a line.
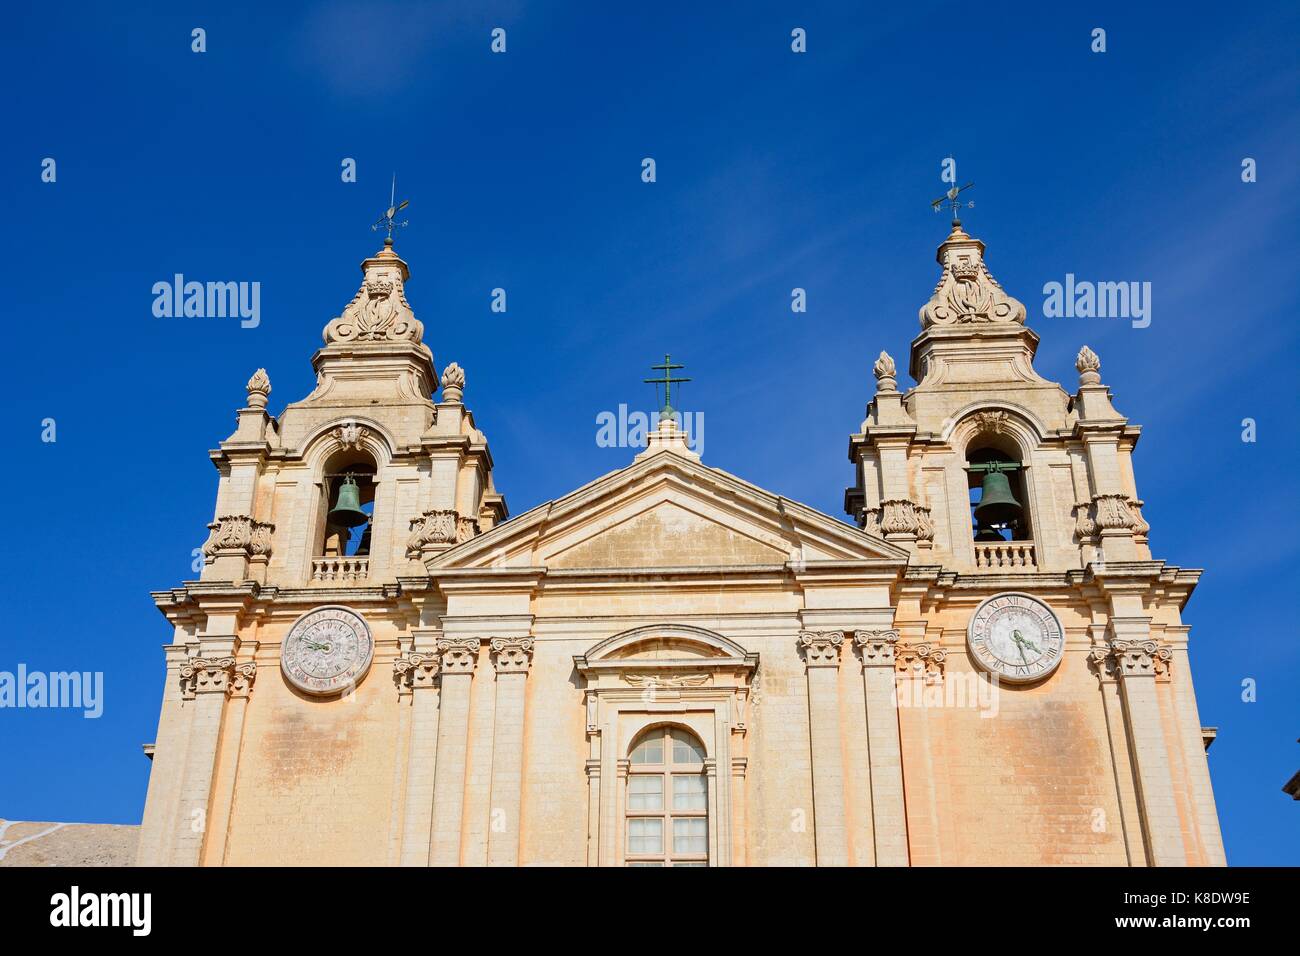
[347, 511]
[997, 504]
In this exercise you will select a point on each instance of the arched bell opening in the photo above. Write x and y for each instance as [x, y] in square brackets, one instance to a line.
[348, 492]
[996, 481]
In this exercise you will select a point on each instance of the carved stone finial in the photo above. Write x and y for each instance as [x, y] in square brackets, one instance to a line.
[1088, 366]
[453, 383]
[967, 293]
[259, 387]
[379, 312]
[886, 372]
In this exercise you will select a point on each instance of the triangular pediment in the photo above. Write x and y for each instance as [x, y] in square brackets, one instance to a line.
[667, 511]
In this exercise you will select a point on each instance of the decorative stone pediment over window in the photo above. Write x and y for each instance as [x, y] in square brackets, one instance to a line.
[665, 675]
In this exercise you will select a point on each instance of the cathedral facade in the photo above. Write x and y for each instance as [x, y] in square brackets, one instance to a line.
[672, 666]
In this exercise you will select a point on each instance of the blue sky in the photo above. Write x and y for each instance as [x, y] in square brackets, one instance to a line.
[774, 170]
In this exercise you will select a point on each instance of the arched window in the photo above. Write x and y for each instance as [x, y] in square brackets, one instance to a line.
[999, 509]
[667, 800]
[349, 502]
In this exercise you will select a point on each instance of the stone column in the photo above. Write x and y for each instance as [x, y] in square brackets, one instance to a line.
[821, 651]
[459, 658]
[232, 739]
[166, 774]
[1135, 664]
[422, 671]
[208, 680]
[1125, 785]
[889, 813]
[512, 657]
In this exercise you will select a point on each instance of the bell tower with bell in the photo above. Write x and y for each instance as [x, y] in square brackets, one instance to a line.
[1017, 502]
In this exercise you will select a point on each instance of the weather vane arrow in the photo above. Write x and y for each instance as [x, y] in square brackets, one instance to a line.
[953, 196]
[389, 219]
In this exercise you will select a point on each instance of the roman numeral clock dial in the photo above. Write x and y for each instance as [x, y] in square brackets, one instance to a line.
[1016, 637]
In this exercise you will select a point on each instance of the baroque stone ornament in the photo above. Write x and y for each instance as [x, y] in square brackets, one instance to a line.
[437, 528]
[238, 534]
[350, 434]
[886, 373]
[327, 651]
[967, 291]
[821, 649]
[921, 659]
[1112, 511]
[992, 422]
[665, 680]
[876, 647]
[241, 682]
[1088, 366]
[511, 655]
[899, 517]
[459, 654]
[1017, 637]
[379, 313]
[453, 383]
[259, 389]
[206, 675]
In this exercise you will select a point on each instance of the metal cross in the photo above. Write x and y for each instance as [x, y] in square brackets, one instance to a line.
[952, 196]
[387, 220]
[667, 382]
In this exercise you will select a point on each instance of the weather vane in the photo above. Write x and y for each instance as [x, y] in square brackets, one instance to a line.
[387, 220]
[667, 382]
[953, 196]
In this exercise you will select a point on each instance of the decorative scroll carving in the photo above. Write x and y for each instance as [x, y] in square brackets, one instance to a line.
[1084, 526]
[665, 680]
[512, 655]
[871, 521]
[434, 527]
[1112, 511]
[899, 517]
[241, 682]
[992, 422]
[924, 523]
[1141, 658]
[466, 528]
[922, 659]
[459, 655]
[821, 649]
[207, 675]
[259, 388]
[876, 647]
[238, 534]
[350, 434]
[453, 383]
[379, 312]
[966, 291]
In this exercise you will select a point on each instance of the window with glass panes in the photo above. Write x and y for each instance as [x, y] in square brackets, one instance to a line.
[667, 801]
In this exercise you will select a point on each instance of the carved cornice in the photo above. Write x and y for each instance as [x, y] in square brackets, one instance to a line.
[459, 655]
[512, 655]
[876, 648]
[821, 648]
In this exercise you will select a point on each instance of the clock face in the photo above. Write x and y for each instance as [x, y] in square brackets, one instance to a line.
[1016, 637]
[327, 651]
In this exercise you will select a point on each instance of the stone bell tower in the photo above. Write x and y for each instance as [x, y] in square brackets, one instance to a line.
[418, 475]
[1013, 495]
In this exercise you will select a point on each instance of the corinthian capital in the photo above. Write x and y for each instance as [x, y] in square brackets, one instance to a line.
[459, 655]
[512, 655]
[876, 647]
[821, 648]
